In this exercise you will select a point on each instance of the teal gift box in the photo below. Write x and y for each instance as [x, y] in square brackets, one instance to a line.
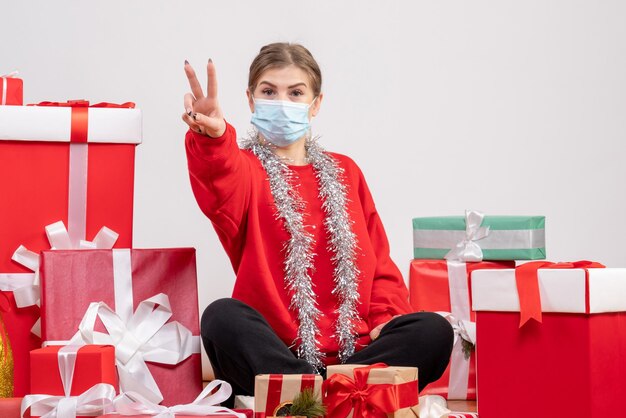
[500, 237]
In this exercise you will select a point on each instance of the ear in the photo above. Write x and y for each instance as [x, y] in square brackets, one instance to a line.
[315, 108]
[250, 100]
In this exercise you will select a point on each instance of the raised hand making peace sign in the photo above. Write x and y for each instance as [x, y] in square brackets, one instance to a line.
[203, 113]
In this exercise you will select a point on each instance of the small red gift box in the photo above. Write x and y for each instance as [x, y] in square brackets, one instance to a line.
[77, 371]
[10, 408]
[272, 390]
[443, 286]
[11, 90]
[140, 287]
[75, 164]
[569, 364]
[94, 364]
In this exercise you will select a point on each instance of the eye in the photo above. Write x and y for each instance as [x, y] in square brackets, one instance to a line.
[297, 93]
[267, 91]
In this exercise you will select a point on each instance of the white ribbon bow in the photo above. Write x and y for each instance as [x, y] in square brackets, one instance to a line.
[131, 403]
[28, 293]
[146, 336]
[97, 400]
[468, 249]
[462, 328]
[432, 406]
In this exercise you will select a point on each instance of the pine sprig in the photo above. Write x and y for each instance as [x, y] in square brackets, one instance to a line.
[307, 404]
[468, 348]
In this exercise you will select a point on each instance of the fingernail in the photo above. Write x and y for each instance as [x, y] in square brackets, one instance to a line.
[210, 60]
[194, 116]
[186, 62]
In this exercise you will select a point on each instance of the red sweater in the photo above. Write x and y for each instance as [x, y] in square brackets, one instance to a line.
[231, 188]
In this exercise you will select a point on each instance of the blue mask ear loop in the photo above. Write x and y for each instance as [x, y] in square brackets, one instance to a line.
[311, 104]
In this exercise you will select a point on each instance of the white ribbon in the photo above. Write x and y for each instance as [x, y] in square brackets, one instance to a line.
[28, 293]
[10, 282]
[432, 406]
[77, 193]
[460, 320]
[146, 336]
[5, 86]
[459, 364]
[97, 400]
[131, 403]
[468, 249]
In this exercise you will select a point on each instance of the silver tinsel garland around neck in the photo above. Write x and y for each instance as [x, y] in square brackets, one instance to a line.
[299, 254]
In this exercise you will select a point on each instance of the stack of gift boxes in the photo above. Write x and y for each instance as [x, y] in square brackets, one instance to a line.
[119, 326]
[532, 338]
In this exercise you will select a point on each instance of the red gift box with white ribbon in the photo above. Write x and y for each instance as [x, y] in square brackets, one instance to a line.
[93, 364]
[144, 302]
[551, 340]
[443, 286]
[71, 380]
[67, 162]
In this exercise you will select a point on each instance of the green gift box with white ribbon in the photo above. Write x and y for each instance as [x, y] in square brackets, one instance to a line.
[475, 237]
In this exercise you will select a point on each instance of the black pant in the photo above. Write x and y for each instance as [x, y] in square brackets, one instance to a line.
[241, 344]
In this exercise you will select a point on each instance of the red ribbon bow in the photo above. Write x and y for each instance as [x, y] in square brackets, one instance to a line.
[527, 282]
[343, 394]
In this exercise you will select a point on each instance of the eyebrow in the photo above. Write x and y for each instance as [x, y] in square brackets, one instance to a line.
[289, 87]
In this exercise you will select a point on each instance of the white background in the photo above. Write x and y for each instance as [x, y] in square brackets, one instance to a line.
[509, 107]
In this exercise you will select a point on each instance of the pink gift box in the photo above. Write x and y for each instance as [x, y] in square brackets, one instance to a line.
[73, 279]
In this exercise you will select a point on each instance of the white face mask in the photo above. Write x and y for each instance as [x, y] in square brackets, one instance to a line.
[281, 122]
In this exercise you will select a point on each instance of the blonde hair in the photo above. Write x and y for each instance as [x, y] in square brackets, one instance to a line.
[283, 54]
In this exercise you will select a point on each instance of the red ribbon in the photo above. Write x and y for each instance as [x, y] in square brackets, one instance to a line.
[80, 117]
[85, 103]
[342, 394]
[527, 282]
[274, 388]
